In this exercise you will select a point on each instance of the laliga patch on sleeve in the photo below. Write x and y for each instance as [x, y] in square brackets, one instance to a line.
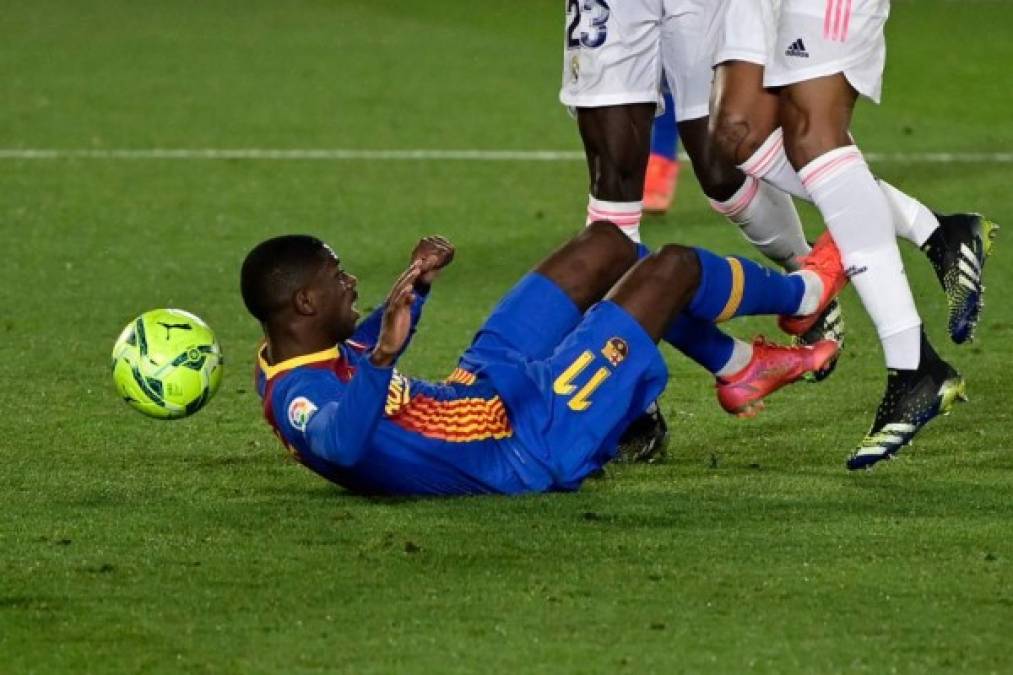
[300, 410]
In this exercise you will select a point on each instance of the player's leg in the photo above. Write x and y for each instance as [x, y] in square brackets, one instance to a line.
[766, 216]
[733, 286]
[689, 40]
[611, 79]
[726, 287]
[745, 373]
[743, 115]
[590, 264]
[957, 245]
[610, 64]
[817, 101]
[722, 288]
[617, 143]
[742, 131]
[605, 373]
[546, 304]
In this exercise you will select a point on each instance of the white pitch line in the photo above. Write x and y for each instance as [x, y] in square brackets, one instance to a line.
[297, 154]
[339, 154]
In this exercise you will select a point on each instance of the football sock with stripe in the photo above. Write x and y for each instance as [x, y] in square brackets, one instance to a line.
[625, 215]
[702, 341]
[767, 218]
[858, 216]
[736, 286]
[911, 219]
[771, 164]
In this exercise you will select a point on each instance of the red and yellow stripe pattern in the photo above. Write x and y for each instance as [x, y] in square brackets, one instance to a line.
[457, 420]
[460, 376]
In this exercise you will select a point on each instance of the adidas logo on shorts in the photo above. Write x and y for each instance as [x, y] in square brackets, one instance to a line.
[797, 48]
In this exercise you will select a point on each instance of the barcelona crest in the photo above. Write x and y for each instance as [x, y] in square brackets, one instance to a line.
[615, 351]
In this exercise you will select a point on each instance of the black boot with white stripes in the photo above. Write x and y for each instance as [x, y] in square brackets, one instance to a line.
[912, 399]
[958, 250]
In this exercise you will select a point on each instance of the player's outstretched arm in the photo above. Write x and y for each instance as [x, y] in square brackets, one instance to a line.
[396, 324]
[433, 253]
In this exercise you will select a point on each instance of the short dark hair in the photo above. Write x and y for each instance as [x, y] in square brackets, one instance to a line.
[276, 268]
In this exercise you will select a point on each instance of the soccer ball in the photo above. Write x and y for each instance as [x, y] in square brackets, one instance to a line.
[167, 363]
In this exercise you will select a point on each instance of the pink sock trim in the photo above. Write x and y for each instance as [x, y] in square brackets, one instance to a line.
[739, 201]
[759, 164]
[624, 215]
[828, 165]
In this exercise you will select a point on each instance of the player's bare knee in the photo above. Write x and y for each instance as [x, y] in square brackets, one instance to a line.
[813, 127]
[735, 135]
[679, 265]
[611, 244]
[718, 177]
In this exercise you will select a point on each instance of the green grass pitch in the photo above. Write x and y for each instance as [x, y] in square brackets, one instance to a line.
[131, 545]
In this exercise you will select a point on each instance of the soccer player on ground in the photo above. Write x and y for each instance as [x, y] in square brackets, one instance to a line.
[562, 366]
[785, 90]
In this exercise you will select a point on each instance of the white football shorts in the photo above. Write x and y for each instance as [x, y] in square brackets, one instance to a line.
[615, 50]
[745, 31]
[816, 38]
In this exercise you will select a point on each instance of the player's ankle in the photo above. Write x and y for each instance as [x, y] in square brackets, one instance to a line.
[812, 294]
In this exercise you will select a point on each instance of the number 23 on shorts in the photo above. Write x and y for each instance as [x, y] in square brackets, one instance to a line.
[587, 23]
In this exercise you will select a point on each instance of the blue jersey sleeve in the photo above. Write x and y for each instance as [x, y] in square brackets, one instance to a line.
[340, 430]
[368, 331]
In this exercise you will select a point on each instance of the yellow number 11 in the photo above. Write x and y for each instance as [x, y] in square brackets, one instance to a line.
[564, 386]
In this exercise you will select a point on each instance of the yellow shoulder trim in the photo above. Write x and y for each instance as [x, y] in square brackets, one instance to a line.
[294, 362]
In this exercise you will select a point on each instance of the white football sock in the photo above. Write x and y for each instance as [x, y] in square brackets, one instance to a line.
[912, 220]
[768, 220]
[742, 354]
[625, 215]
[858, 216]
[813, 292]
[769, 163]
[906, 343]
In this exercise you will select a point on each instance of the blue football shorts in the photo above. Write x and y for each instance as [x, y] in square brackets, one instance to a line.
[571, 382]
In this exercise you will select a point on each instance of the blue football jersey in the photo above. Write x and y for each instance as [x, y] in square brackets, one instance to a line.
[376, 431]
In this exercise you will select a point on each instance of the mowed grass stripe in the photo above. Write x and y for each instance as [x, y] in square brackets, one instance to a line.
[408, 154]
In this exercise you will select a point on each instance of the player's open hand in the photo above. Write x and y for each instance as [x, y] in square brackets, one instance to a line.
[397, 317]
[433, 253]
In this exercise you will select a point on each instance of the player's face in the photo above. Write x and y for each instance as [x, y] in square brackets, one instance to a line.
[336, 293]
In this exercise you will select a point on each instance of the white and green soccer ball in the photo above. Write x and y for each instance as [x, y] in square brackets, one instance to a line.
[167, 363]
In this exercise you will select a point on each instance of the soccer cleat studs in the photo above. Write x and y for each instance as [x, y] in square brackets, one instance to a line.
[958, 250]
[912, 400]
